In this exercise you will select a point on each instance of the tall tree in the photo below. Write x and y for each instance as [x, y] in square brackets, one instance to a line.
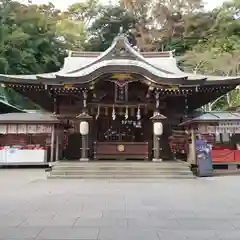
[106, 27]
[159, 19]
[85, 11]
[28, 41]
[218, 52]
[71, 32]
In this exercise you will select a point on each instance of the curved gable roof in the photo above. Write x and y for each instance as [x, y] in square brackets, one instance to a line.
[120, 49]
[83, 67]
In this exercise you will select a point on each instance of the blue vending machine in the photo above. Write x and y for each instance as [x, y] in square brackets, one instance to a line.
[204, 159]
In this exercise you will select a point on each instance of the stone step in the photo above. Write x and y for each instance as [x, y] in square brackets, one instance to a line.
[120, 177]
[125, 163]
[120, 170]
[117, 173]
[122, 166]
[133, 171]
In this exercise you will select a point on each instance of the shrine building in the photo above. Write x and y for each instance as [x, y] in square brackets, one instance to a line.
[120, 104]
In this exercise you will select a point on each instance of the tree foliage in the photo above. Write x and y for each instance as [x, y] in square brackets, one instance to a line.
[106, 27]
[29, 43]
[217, 53]
[34, 38]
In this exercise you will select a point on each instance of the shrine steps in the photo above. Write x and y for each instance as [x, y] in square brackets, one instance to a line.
[120, 170]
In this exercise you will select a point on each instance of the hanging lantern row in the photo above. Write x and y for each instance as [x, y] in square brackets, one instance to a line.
[32, 90]
[69, 89]
[193, 89]
[27, 86]
[65, 88]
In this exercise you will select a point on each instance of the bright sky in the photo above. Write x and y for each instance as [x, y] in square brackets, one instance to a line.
[63, 4]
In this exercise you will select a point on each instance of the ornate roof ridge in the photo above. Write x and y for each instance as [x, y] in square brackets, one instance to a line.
[97, 54]
[121, 49]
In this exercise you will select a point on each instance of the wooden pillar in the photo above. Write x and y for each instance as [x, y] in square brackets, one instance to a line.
[84, 152]
[57, 145]
[52, 144]
[157, 118]
[55, 133]
[192, 158]
[56, 105]
[158, 147]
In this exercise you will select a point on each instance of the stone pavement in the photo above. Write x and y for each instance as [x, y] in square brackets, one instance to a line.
[32, 207]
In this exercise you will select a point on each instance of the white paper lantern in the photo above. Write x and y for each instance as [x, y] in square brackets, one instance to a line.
[84, 128]
[158, 128]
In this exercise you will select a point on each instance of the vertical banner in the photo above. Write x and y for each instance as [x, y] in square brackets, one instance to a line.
[22, 129]
[12, 129]
[3, 128]
[32, 129]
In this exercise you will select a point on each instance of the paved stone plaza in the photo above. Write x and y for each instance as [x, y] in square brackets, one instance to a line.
[32, 207]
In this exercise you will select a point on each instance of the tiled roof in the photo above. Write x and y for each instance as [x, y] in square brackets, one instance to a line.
[214, 117]
[6, 107]
[160, 67]
[28, 118]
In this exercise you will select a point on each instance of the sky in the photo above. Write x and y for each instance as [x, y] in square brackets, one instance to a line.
[63, 4]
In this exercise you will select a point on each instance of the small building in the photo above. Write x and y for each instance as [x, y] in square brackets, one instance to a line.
[29, 138]
[121, 98]
[219, 129]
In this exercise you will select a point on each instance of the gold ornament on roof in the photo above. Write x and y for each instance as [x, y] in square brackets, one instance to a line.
[121, 76]
[68, 86]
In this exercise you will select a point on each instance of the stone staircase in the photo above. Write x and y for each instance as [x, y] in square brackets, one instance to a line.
[120, 170]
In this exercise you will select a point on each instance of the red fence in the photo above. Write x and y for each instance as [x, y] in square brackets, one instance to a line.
[225, 156]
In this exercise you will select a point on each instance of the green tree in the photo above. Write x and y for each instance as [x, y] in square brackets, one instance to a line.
[218, 53]
[71, 32]
[106, 27]
[159, 21]
[29, 43]
[84, 12]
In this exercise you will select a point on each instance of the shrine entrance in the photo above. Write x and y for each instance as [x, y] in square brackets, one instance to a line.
[123, 137]
[120, 130]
